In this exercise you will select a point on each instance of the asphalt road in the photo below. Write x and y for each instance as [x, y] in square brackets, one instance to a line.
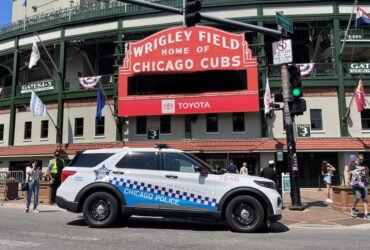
[56, 229]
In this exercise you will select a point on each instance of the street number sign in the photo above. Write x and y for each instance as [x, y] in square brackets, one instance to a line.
[153, 133]
[303, 130]
[282, 51]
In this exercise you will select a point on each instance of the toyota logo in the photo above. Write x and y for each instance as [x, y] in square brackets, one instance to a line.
[168, 106]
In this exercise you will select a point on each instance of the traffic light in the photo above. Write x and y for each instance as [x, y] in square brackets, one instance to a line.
[295, 81]
[297, 105]
[192, 15]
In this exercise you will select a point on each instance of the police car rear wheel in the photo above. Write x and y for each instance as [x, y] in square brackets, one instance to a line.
[100, 209]
[244, 214]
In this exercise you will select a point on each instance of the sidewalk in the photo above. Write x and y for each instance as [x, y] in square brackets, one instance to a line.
[317, 213]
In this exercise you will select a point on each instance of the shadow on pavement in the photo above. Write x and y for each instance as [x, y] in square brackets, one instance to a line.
[315, 204]
[179, 224]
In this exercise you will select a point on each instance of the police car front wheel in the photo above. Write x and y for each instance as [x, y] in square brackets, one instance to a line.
[244, 214]
[100, 209]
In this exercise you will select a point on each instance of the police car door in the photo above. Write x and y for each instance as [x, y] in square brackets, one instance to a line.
[182, 186]
[136, 175]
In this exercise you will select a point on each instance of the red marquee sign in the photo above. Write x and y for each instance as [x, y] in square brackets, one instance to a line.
[194, 49]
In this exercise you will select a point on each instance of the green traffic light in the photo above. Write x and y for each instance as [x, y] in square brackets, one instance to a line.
[296, 92]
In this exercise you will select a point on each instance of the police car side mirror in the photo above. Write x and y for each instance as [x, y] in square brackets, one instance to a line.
[203, 171]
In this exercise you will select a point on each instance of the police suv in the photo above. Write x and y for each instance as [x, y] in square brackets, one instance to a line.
[111, 184]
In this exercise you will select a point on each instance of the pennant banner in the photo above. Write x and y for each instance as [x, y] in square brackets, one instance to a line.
[267, 97]
[37, 107]
[89, 82]
[360, 96]
[362, 18]
[306, 68]
[100, 101]
[35, 55]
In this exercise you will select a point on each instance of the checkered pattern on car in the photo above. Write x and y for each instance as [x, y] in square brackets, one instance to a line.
[186, 196]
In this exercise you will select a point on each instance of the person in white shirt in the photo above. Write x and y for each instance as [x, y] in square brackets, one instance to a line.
[33, 173]
[244, 169]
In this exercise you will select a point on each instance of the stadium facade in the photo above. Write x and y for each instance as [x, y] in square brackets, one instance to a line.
[80, 40]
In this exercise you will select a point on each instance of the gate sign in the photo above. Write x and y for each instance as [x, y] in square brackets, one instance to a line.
[188, 50]
[282, 51]
[303, 130]
[153, 133]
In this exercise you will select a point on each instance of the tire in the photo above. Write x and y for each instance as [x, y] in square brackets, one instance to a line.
[244, 214]
[100, 210]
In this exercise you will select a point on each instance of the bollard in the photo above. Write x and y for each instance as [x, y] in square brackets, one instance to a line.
[319, 184]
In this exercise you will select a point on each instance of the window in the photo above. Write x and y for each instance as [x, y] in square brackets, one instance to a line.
[141, 125]
[139, 160]
[44, 129]
[165, 127]
[1, 132]
[212, 123]
[238, 122]
[27, 130]
[365, 119]
[179, 163]
[99, 126]
[89, 160]
[316, 119]
[79, 127]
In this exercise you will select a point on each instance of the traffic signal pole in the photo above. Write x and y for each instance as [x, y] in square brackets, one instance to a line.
[291, 145]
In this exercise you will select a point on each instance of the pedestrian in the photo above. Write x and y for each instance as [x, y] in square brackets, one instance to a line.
[327, 171]
[232, 168]
[55, 168]
[270, 172]
[347, 180]
[244, 169]
[359, 174]
[33, 173]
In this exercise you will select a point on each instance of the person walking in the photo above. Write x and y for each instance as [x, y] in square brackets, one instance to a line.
[347, 180]
[327, 172]
[244, 169]
[359, 174]
[55, 168]
[33, 173]
[270, 172]
[232, 168]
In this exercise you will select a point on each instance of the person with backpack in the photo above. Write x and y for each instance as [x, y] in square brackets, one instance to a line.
[328, 172]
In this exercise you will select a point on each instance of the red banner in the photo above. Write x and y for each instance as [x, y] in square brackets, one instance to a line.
[194, 49]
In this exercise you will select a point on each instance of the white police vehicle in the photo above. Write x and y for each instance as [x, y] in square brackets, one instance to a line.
[108, 184]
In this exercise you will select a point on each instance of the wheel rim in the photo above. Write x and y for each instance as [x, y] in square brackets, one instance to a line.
[100, 209]
[244, 214]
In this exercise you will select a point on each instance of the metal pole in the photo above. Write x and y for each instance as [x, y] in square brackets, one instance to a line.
[232, 23]
[291, 146]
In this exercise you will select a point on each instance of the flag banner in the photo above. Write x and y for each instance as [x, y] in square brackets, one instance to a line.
[25, 3]
[362, 18]
[35, 55]
[267, 97]
[360, 97]
[100, 101]
[306, 68]
[37, 107]
[89, 82]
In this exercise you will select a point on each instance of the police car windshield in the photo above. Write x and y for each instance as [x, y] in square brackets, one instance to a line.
[204, 163]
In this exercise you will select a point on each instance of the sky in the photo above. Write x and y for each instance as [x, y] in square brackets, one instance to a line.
[5, 12]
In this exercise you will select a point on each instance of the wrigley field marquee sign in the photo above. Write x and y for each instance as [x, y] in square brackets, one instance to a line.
[182, 51]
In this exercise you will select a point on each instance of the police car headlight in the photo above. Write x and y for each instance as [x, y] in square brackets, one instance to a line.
[266, 184]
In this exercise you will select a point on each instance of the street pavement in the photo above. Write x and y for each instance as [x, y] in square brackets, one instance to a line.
[317, 214]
